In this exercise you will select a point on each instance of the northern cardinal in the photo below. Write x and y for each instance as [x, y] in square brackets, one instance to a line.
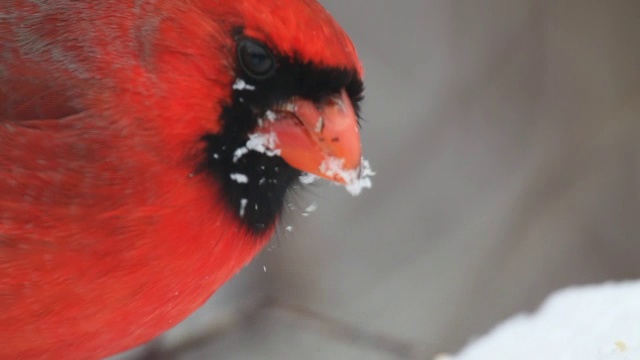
[146, 149]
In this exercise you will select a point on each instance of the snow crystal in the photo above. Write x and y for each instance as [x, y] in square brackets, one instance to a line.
[270, 115]
[599, 322]
[308, 178]
[239, 178]
[313, 207]
[240, 152]
[243, 206]
[262, 143]
[242, 85]
[319, 125]
[356, 180]
[289, 228]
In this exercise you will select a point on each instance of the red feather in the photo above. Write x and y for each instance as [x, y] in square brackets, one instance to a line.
[106, 236]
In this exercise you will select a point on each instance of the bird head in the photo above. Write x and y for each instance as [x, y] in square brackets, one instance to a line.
[294, 85]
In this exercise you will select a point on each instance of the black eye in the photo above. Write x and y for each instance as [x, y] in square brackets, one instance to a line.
[256, 59]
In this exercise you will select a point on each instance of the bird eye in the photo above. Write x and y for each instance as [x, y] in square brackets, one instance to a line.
[256, 59]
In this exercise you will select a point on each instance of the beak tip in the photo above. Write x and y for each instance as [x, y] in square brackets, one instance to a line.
[323, 140]
[339, 169]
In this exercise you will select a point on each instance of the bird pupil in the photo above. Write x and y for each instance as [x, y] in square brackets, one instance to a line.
[256, 59]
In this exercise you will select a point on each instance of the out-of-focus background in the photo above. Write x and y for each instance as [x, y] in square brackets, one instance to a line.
[505, 137]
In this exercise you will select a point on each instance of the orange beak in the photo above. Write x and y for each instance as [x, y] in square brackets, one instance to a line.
[311, 135]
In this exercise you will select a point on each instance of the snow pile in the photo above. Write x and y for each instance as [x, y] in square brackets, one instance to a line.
[586, 323]
[356, 180]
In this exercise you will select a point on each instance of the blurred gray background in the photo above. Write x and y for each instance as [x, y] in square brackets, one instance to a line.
[505, 138]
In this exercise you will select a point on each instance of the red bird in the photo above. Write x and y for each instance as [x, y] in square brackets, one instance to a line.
[146, 148]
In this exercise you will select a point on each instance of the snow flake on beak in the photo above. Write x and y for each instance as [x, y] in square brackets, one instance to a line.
[270, 115]
[356, 180]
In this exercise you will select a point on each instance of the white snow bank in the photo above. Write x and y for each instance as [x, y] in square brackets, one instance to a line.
[585, 323]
